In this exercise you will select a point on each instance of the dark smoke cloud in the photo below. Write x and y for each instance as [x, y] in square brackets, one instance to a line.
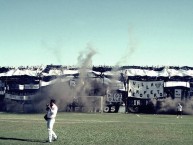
[86, 83]
[85, 57]
[169, 105]
[65, 94]
[60, 91]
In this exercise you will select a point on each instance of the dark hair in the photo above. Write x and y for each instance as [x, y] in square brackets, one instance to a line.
[52, 101]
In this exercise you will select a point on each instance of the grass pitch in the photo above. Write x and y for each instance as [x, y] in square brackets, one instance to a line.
[97, 129]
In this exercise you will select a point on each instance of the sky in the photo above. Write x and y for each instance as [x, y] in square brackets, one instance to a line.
[122, 32]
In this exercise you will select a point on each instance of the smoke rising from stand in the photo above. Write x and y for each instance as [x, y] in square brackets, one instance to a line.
[62, 92]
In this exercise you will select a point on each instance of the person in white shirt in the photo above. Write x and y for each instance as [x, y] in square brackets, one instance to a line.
[52, 110]
[179, 110]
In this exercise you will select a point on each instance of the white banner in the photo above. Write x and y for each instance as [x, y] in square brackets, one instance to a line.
[178, 93]
[17, 97]
[31, 86]
[114, 97]
[21, 87]
[144, 89]
[2, 92]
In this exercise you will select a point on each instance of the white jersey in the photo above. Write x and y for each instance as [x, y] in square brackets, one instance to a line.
[179, 108]
[52, 112]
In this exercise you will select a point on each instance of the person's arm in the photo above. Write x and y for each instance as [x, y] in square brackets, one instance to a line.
[53, 110]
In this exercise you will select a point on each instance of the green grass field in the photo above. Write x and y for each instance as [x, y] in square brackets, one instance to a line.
[97, 129]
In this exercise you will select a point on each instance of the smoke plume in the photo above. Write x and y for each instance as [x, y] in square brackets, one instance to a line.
[169, 106]
[132, 46]
[55, 50]
[65, 94]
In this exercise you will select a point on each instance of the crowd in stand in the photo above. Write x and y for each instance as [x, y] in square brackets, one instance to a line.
[105, 68]
[99, 67]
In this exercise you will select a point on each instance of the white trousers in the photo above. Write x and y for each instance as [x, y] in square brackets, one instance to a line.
[51, 133]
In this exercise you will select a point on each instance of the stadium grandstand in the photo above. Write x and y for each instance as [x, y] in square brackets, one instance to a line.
[131, 86]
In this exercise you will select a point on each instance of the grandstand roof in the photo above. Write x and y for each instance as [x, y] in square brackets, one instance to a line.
[126, 71]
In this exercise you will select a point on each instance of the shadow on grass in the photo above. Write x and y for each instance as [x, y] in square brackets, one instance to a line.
[21, 139]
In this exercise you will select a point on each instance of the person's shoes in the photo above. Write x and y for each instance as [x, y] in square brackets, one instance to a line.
[55, 139]
[48, 141]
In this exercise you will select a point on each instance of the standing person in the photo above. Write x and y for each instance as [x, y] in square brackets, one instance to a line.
[52, 110]
[179, 110]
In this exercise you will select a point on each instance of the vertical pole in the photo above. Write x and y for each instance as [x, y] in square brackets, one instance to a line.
[126, 97]
[102, 104]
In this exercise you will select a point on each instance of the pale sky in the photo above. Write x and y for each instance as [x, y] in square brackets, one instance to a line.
[124, 32]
